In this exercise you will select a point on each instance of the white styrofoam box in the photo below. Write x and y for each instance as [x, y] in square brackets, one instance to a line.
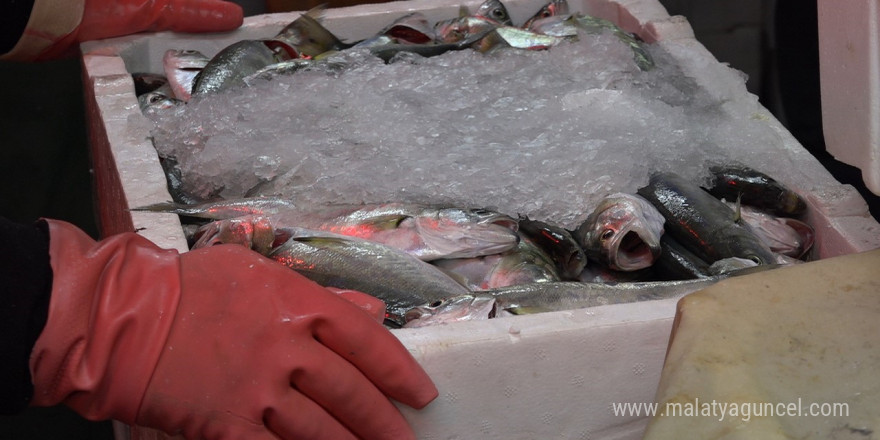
[551, 375]
[849, 73]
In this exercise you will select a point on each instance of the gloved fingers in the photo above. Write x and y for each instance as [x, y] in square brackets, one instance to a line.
[113, 18]
[344, 392]
[202, 16]
[296, 416]
[378, 354]
[374, 307]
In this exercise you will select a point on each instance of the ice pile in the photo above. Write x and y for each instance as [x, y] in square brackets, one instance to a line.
[540, 133]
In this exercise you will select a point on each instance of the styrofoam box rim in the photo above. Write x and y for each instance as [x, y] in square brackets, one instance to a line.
[553, 375]
[849, 75]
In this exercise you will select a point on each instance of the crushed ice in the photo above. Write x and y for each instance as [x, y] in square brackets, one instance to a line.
[540, 133]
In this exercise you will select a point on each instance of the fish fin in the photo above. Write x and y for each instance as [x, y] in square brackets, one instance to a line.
[388, 222]
[737, 216]
[171, 207]
[317, 12]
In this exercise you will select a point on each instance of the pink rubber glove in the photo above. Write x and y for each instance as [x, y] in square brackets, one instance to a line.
[114, 18]
[216, 343]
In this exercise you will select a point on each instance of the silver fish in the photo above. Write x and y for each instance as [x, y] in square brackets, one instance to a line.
[525, 263]
[181, 68]
[306, 37]
[223, 209]
[412, 28]
[559, 244]
[426, 232]
[569, 26]
[623, 231]
[548, 297]
[230, 66]
[400, 280]
[459, 29]
[509, 36]
[783, 235]
[701, 223]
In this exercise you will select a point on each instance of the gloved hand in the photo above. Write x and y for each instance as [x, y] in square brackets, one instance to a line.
[215, 343]
[113, 18]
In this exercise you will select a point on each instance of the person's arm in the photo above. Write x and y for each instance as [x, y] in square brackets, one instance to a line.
[54, 27]
[25, 283]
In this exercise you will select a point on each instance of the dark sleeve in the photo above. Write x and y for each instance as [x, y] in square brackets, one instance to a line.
[14, 15]
[25, 286]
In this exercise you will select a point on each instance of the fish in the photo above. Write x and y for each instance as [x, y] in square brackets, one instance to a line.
[157, 101]
[510, 36]
[623, 232]
[426, 232]
[558, 243]
[556, 296]
[546, 297]
[181, 68]
[412, 28]
[495, 11]
[787, 236]
[701, 223]
[756, 189]
[552, 9]
[388, 51]
[525, 263]
[458, 29]
[570, 26]
[678, 263]
[306, 37]
[328, 65]
[395, 277]
[455, 309]
[230, 66]
[222, 209]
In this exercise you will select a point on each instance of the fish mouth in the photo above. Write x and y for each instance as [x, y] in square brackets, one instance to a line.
[633, 252]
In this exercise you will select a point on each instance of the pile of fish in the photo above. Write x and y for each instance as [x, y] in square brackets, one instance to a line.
[441, 264]
[305, 44]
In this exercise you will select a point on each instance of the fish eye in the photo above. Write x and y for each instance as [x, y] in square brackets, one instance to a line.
[607, 234]
[756, 259]
[437, 303]
[498, 13]
[156, 98]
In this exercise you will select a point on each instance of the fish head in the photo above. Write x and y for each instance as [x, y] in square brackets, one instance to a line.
[157, 101]
[464, 233]
[460, 29]
[412, 28]
[308, 36]
[458, 308]
[553, 9]
[623, 233]
[495, 11]
[749, 247]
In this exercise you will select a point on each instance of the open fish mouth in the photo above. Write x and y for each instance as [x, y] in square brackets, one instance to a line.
[632, 252]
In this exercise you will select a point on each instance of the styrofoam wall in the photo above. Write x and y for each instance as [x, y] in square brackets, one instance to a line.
[552, 375]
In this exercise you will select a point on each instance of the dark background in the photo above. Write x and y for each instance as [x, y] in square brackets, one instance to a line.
[45, 169]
